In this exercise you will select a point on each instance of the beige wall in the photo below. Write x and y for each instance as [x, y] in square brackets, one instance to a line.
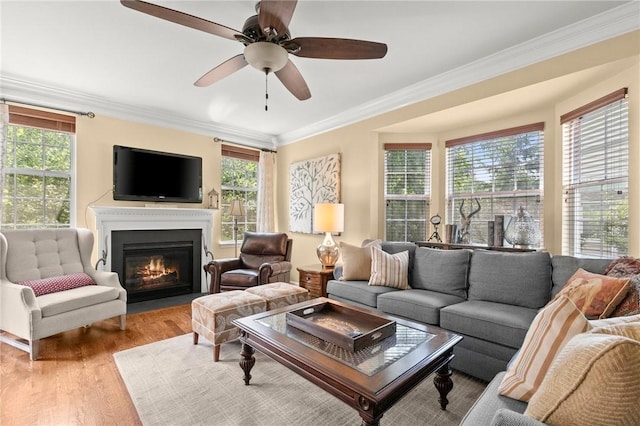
[94, 161]
[361, 145]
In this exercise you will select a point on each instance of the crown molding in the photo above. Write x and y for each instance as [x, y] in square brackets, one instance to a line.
[610, 24]
[17, 90]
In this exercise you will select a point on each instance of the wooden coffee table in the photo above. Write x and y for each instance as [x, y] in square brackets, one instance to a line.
[370, 380]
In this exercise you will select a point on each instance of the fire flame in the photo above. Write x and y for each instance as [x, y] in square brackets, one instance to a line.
[156, 268]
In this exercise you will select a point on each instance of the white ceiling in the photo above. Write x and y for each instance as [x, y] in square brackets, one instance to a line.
[100, 56]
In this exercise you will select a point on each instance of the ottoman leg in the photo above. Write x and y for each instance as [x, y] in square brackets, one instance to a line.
[216, 353]
[195, 338]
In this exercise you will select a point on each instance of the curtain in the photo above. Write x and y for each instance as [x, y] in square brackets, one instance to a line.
[266, 209]
[4, 121]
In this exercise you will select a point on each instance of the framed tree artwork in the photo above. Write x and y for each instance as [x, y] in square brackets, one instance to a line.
[311, 182]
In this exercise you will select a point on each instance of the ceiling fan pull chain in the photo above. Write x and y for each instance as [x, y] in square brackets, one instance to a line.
[266, 89]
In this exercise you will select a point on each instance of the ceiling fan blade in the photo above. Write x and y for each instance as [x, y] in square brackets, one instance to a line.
[276, 14]
[335, 48]
[293, 81]
[221, 71]
[181, 18]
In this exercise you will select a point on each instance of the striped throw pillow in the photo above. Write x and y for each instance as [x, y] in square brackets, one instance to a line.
[550, 330]
[389, 270]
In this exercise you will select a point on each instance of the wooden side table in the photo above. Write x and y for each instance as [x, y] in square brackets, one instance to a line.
[314, 278]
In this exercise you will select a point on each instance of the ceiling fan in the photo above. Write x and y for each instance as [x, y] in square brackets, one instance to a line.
[268, 43]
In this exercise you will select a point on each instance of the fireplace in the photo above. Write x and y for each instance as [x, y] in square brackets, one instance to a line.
[157, 263]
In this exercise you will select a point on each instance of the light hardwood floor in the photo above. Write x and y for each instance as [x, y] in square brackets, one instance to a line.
[75, 380]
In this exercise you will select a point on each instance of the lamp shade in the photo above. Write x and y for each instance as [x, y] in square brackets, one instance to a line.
[236, 209]
[328, 217]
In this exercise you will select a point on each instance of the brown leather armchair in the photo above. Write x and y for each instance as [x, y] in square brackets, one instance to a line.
[264, 258]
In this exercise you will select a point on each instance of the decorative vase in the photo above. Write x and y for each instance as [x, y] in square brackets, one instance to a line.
[522, 231]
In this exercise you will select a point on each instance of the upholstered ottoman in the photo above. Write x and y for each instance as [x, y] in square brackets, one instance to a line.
[211, 316]
[279, 295]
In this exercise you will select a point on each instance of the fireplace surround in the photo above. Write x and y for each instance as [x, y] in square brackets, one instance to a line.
[111, 220]
[157, 263]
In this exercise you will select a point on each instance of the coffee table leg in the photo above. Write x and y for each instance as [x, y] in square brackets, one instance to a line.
[443, 384]
[247, 361]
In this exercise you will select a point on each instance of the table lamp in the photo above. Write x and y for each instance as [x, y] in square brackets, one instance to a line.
[328, 218]
[236, 210]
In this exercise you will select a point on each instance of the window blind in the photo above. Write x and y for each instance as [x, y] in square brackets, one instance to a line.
[22, 116]
[595, 178]
[407, 184]
[502, 170]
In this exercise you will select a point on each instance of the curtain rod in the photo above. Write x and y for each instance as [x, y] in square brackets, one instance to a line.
[86, 114]
[217, 139]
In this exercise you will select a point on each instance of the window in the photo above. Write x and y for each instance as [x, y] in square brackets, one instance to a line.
[407, 185]
[239, 181]
[499, 172]
[595, 178]
[38, 172]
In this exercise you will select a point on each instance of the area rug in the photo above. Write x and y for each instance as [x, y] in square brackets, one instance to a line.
[174, 382]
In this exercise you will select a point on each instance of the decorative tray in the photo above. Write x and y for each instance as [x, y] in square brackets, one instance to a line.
[345, 327]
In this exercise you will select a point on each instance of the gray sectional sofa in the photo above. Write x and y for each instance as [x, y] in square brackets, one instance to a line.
[488, 297]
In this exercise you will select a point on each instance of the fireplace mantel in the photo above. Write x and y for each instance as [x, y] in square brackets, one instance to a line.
[110, 219]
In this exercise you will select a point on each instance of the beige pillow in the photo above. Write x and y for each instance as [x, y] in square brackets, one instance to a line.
[389, 270]
[550, 330]
[594, 381]
[356, 261]
[614, 321]
[594, 294]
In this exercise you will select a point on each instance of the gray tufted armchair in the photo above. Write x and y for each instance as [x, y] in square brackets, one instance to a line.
[34, 255]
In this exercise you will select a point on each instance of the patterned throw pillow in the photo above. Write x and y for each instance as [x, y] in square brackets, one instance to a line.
[61, 283]
[594, 294]
[390, 270]
[627, 267]
[550, 330]
[356, 261]
[595, 380]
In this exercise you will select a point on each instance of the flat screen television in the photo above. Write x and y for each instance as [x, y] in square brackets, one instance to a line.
[145, 175]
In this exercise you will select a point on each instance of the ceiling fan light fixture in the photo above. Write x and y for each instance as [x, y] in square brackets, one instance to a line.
[266, 56]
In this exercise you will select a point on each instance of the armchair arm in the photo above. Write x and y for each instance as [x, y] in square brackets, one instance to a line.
[218, 267]
[19, 309]
[506, 417]
[269, 269]
[109, 279]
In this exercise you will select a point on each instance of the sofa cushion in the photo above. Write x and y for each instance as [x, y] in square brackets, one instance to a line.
[594, 294]
[356, 261]
[444, 271]
[550, 330]
[357, 291]
[70, 300]
[521, 279]
[627, 267]
[495, 322]
[565, 266]
[595, 380]
[389, 270]
[61, 283]
[417, 305]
